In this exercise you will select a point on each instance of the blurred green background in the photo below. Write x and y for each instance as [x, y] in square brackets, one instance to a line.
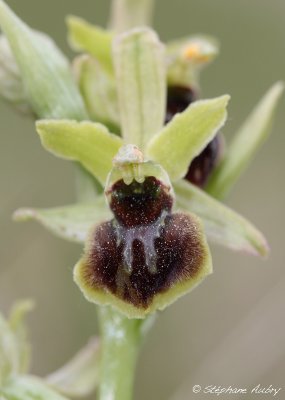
[231, 329]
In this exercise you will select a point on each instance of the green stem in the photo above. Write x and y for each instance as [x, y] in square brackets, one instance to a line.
[120, 339]
[127, 14]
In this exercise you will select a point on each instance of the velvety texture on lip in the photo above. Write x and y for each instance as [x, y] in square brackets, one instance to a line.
[146, 256]
[179, 257]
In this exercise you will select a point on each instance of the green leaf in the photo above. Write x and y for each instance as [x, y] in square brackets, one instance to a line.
[245, 144]
[45, 72]
[98, 90]
[93, 39]
[140, 72]
[89, 143]
[80, 376]
[187, 134]
[28, 388]
[14, 348]
[222, 224]
[187, 56]
[69, 222]
[11, 85]
[18, 326]
[9, 358]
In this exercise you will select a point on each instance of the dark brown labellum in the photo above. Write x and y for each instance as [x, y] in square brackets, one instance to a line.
[161, 259]
[145, 251]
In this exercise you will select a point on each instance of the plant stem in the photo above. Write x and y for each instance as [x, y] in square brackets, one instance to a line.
[120, 339]
[127, 14]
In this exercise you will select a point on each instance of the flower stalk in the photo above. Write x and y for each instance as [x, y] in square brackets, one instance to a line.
[120, 340]
[127, 14]
[121, 336]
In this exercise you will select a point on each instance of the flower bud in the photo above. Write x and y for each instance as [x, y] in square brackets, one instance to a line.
[178, 99]
[201, 167]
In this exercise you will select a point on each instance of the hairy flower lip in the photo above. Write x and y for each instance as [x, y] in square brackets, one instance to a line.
[138, 260]
[183, 261]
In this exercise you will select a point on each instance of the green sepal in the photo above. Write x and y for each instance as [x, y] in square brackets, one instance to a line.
[87, 142]
[80, 376]
[98, 89]
[27, 387]
[92, 39]
[45, 71]
[187, 56]
[247, 141]
[140, 73]
[69, 222]
[222, 225]
[11, 85]
[187, 134]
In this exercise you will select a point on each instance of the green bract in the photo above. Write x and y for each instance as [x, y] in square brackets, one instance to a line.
[14, 348]
[140, 73]
[50, 74]
[141, 252]
[11, 85]
[184, 58]
[92, 39]
[246, 142]
[98, 89]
